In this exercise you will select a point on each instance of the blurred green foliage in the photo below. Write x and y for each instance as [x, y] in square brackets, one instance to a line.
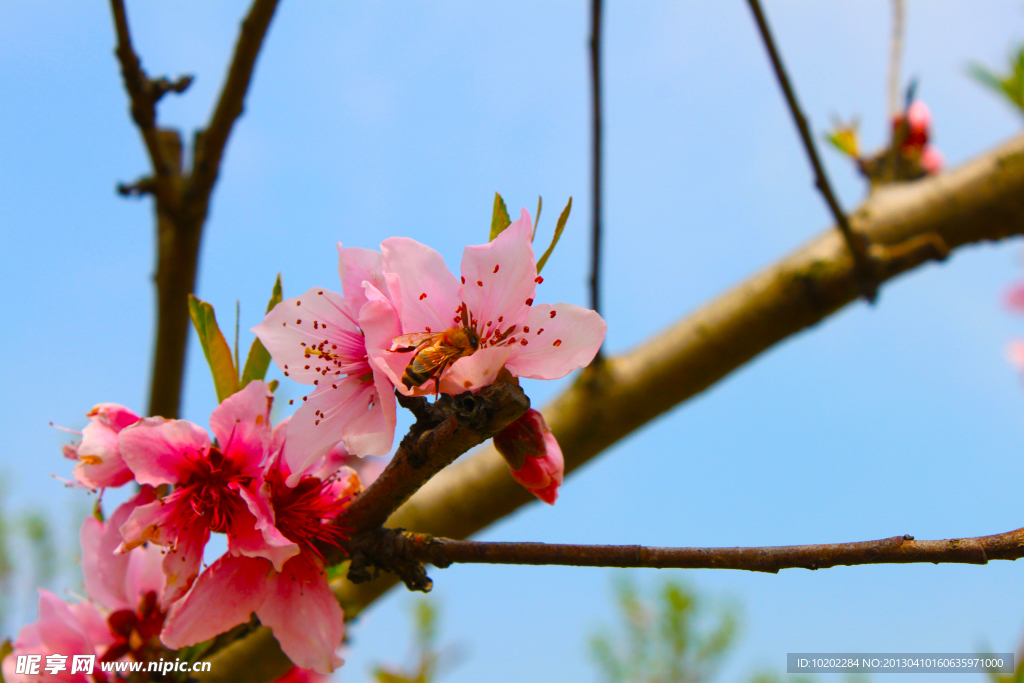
[1010, 85]
[668, 640]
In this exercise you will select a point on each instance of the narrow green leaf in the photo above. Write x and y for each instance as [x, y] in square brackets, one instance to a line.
[536, 219]
[259, 358]
[215, 347]
[272, 385]
[558, 233]
[986, 77]
[499, 217]
[238, 317]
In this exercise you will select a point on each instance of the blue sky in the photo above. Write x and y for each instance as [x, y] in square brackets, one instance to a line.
[378, 119]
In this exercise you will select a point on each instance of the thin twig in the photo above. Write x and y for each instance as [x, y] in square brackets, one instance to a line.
[210, 143]
[442, 552]
[595, 91]
[862, 264]
[895, 57]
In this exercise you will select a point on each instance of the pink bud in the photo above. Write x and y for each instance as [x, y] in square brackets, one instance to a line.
[919, 121]
[533, 455]
[931, 160]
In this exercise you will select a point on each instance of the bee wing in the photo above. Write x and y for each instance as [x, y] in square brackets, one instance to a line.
[408, 342]
[430, 359]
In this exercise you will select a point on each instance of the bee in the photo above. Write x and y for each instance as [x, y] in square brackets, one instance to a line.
[436, 351]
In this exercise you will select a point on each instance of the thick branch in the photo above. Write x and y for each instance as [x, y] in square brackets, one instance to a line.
[863, 268]
[983, 200]
[442, 552]
[443, 431]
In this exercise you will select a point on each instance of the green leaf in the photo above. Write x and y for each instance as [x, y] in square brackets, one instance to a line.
[215, 347]
[986, 77]
[259, 358]
[558, 233]
[499, 218]
[536, 219]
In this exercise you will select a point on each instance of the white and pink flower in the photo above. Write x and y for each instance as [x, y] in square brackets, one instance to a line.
[100, 464]
[320, 339]
[497, 291]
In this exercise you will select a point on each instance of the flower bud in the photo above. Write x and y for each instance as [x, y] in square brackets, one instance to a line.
[533, 455]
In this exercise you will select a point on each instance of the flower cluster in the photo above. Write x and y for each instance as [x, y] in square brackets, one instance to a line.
[148, 593]
[402, 322]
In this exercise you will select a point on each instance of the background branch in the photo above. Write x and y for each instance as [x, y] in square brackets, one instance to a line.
[895, 57]
[979, 201]
[863, 268]
[181, 200]
[595, 93]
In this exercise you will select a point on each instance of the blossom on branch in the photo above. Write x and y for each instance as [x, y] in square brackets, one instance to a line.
[288, 592]
[123, 616]
[213, 483]
[493, 305]
[318, 339]
[533, 455]
[100, 464]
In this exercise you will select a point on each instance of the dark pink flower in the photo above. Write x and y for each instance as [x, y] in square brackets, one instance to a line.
[318, 339]
[497, 291]
[288, 592]
[533, 455]
[213, 483]
[99, 460]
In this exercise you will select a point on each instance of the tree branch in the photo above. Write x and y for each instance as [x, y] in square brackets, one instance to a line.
[863, 267]
[210, 143]
[443, 552]
[895, 56]
[181, 202]
[595, 92]
[443, 431]
[982, 200]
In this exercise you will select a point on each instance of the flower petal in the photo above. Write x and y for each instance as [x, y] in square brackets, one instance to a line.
[256, 535]
[296, 326]
[155, 449]
[103, 570]
[356, 266]
[304, 616]
[500, 277]
[474, 372]
[333, 413]
[223, 596]
[100, 463]
[114, 415]
[181, 563]
[425, 292]
[242, 425]
[561, 338]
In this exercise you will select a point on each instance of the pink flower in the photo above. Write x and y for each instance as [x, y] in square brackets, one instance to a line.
[318, 339]
[931, 160]
[919, 121]
[297, 675]
[212, 482]
[129, 585]
[497, 291]
[533, 455]
[62, 629]
[289, 593]
[99, 461]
